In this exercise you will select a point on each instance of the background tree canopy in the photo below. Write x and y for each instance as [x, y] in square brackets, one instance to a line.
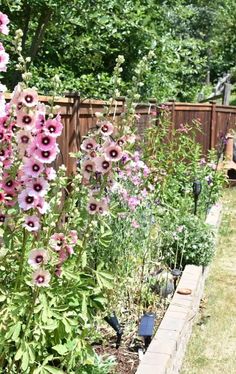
[80, 40]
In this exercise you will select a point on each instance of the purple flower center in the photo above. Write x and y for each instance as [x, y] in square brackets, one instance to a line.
[46, 140]
[2, 152]
[40, 279]
[29, 199]
[30, 223]
[29, 98]
[89, 146]
[39, 259]
[45, 154]
[38, 187]
[105, 128]
[113, 153]
[25, 139]
[1, 135]
[52, 128]
[27, 119]
[89, 168]
[105, 165]
[9, 183]
[93, 207]
[35, 167]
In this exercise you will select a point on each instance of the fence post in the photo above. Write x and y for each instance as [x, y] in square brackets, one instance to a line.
[226, 94]
[172, 119]
[73, 133]
[213, 124]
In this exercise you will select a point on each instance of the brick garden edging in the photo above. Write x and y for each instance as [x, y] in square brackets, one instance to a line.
[167, 349]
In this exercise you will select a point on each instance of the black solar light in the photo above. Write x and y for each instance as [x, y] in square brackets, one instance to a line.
[197, 188]
[114, 323]
[146, 328]
[176, 275]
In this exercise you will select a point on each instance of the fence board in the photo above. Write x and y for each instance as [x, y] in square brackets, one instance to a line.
[78, 117]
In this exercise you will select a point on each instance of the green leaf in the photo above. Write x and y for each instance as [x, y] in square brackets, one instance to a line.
[17, 331]
[61, 349]
[25, 361]
[53, 370]
[2, 298]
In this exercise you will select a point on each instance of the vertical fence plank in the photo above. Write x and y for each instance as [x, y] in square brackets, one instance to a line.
[213, 125]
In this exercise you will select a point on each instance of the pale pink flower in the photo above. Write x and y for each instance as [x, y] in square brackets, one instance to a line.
[93, 206]
[46, 157]
[74, 236]
[32, 168]
[113, 153]
[37, 257]
[102, 207]
[102, 165]
[41, 278]
[87, 167]
[4, 59]
[50, 173]
[23, 140]
[57, 241]
[88, 145]
[4, 20]
[25, 120]
[53, 127]
[37, 187]
[133, 202]
[106, 128]
[45, 142]
[42, 205]
[32, 223]
[26, 201]
[29, 97]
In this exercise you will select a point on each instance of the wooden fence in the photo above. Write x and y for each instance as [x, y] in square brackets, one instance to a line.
[79, 116]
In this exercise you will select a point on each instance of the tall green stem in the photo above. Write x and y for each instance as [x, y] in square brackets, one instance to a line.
[22, 259]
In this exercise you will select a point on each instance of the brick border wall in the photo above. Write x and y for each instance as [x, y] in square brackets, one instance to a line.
[166, 351]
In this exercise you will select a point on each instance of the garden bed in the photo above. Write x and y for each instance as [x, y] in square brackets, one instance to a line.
[167, 348]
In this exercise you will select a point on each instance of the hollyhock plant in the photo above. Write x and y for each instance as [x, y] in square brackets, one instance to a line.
[32, 223]
[38, 257]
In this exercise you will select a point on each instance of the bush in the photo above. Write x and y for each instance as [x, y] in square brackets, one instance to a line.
[186, 239]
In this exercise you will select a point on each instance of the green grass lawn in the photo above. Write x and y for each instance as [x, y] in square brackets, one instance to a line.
[212, 347]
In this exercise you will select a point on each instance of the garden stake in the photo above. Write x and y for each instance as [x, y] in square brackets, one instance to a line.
[114, 323]
[197, 187]
[146, 328]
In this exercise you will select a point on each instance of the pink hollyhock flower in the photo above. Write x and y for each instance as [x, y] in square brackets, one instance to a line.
[4, 59]
[4, 20]
[146, 171]
[29, 97]
[46, 157]
[88, 145]
[121, 142]
[182, 128]
[50, 173]
[10, 199]
[25, 120]
[113, 153]
[88, 167]
[74, 236]
[37, 257]
[69, 249]
[26, 201]
[32, 223]
[58, 270]
[37, 187]
[45, 142]
[32, 168]
[135, 224]
[93, 206]
[41, 278]
[53, 127]
[8, 184]
[23, 138]
[57, 241]
[5, 153]
[102, 207]
[2, 196]
[7, 163]
[40, 121]
[106, 128]
[42, 205]
[15, 95]
[102, 165]
[63, 255]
